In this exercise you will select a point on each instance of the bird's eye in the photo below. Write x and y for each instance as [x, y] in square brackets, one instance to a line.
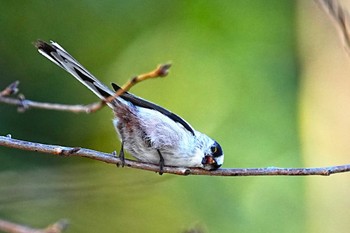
[216, 150]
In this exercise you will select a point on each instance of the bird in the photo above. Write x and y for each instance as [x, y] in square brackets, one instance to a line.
[149, 132]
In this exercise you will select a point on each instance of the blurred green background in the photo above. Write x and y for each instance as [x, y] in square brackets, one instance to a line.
[247, 73]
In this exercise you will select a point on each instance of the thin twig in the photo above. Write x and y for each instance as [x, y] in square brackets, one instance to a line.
[159, 72]
[110, 158]
[10, 227]
[24, 104]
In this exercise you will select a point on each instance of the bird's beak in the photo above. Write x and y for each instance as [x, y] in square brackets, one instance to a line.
[209, 163]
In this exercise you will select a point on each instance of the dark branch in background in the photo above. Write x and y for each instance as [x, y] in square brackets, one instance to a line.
[341, 19]
[10, 227]
[340, 16]
[111, 158]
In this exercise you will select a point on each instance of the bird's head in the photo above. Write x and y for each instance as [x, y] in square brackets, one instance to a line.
[212, 153]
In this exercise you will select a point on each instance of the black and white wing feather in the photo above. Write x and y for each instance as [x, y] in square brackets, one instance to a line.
[55, 53]
[137, 101]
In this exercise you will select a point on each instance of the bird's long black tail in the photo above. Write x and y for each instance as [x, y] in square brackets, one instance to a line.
[55, 53]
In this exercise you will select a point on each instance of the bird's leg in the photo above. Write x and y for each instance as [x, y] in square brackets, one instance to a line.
[161, 163]
[121, 155]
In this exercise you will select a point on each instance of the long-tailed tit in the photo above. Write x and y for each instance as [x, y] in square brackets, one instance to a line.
[147, 131]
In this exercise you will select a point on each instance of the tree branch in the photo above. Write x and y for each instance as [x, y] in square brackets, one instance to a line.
[24, 104]
[111, 158]
[10, 227]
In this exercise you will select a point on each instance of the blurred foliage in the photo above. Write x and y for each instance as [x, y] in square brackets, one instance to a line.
[234, 77]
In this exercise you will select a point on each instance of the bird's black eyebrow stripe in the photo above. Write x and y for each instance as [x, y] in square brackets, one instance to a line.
[145, 104]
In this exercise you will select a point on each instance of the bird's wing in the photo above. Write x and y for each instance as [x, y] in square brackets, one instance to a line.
[146, 104]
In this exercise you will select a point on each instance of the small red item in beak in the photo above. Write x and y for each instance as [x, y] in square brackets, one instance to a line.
[209, 160]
